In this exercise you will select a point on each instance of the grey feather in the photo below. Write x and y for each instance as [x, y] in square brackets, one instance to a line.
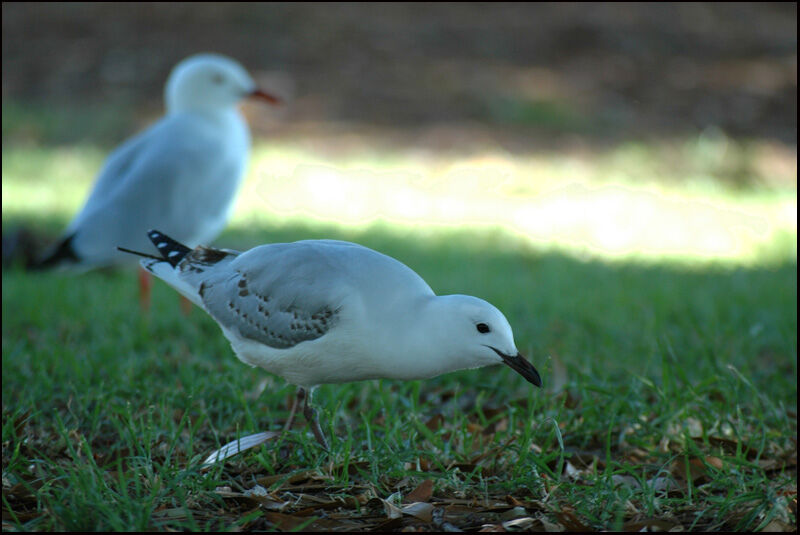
[275, 296]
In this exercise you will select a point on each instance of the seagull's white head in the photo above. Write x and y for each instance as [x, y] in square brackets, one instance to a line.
[209, 82]
[473, 333]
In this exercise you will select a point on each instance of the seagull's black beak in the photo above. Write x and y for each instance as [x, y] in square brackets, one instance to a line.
[261, 95]
[519, 364]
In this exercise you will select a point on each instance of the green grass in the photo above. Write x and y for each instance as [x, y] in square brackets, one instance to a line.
[647, 369]
[670, 373]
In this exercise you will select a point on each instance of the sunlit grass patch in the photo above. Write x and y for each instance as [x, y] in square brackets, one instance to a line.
[632, 202]
[708, 198]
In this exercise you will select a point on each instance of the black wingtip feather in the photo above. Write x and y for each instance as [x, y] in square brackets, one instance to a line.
[171, 250]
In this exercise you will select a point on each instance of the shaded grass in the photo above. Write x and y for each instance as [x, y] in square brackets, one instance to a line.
[669, 396]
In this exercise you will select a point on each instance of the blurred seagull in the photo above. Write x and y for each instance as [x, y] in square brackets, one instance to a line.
[180, 175]
[325, 311]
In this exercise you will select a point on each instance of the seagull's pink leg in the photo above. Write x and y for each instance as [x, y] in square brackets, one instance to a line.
[145, 283]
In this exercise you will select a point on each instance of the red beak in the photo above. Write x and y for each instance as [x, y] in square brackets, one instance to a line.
[260, 95]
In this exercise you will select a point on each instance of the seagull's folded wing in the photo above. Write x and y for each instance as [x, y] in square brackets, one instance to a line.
[279, 294]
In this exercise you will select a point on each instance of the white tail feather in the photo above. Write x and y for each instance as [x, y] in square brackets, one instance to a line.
[173, 277]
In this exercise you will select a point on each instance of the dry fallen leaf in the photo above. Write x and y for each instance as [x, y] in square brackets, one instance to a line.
[435, 422]
[391, 507]
[777, 526]
[286, 522]
[422, 493]
[551, 527]
[474, 428]
[419, 510]
[492, 528]
[513, 513]
[290, 479]
[570, 521]
[519, 523]
[257, 496]
[699, 467]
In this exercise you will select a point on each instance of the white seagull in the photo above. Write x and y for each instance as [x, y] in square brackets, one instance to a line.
[324, 311]
[181, 174]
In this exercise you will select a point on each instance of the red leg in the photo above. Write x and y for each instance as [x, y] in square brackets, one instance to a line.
[145, 283]
[186, 306]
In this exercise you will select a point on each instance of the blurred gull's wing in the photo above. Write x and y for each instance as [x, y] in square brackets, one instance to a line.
[177, 176]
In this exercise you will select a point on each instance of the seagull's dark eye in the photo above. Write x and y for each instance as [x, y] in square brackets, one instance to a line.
[217, 78]
[482, 328]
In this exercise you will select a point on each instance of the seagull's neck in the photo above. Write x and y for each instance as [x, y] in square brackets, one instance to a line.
[429, 349]
[221, 112]
[227, 120]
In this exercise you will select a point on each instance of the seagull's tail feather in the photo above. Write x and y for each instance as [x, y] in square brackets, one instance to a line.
[167, 267]
[176, 278]
[63, 253]
[182, 268]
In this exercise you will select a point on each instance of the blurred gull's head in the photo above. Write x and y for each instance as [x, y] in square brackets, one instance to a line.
[209, 82]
